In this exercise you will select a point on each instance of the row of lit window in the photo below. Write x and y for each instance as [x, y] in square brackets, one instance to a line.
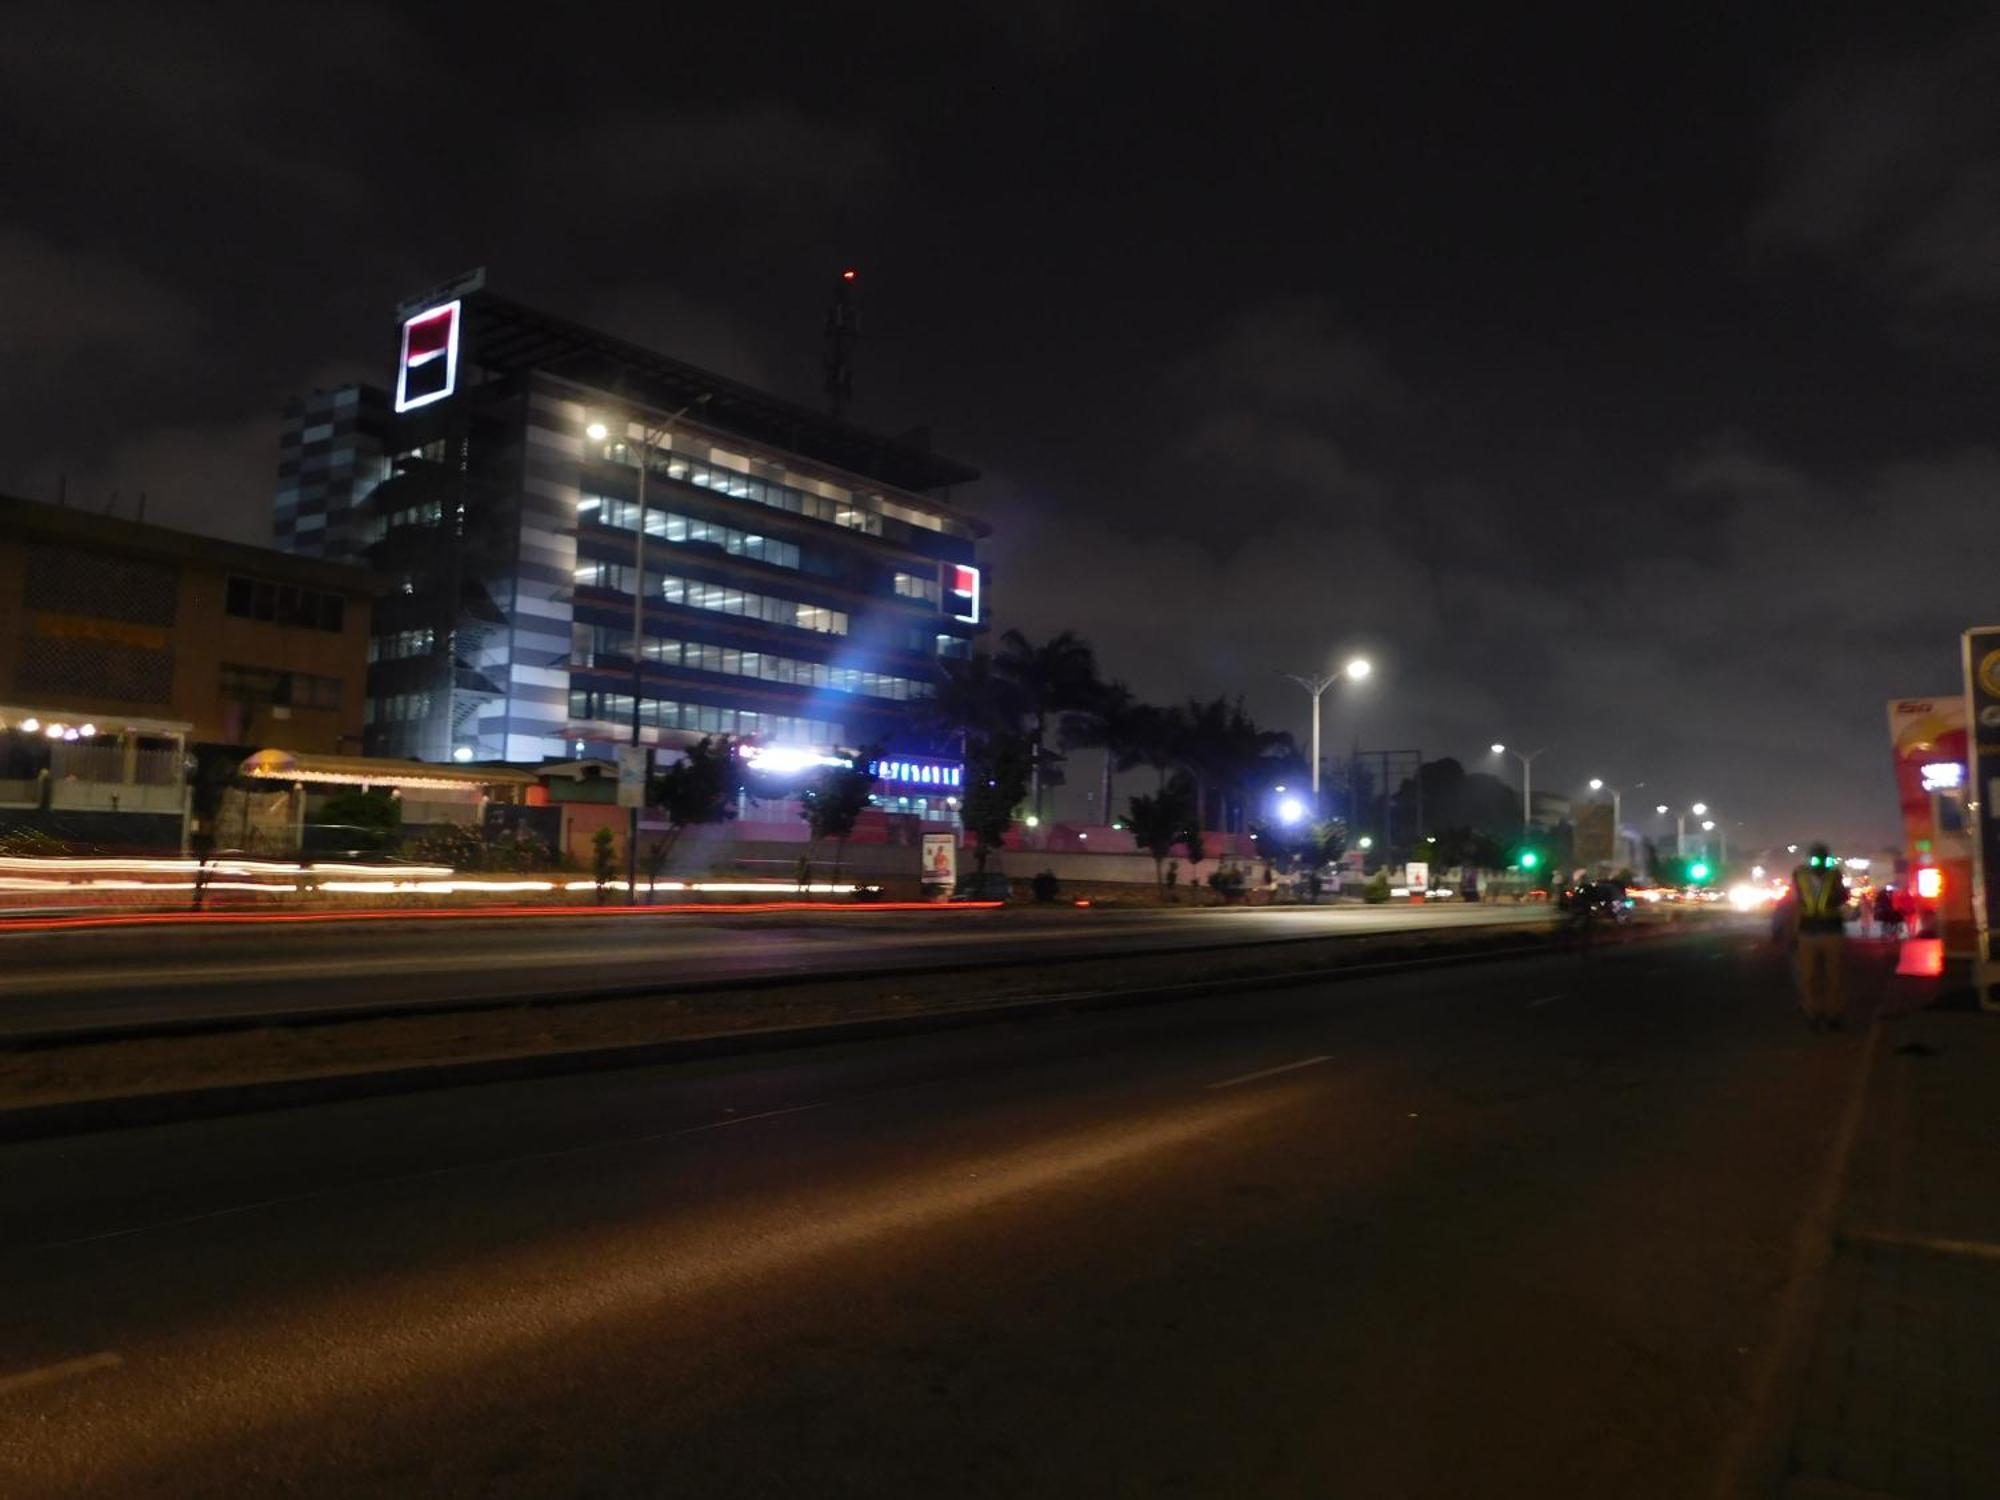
[401, 643]
[396, 707]
[856, 513]
[916, 586]
[615, 710]
[594, 645]
[694, 593]
[673, 527]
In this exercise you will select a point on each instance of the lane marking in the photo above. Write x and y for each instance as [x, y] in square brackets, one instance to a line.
[1891, 1239]
[1290, 1067]
[1546, 999]
[69, 1369]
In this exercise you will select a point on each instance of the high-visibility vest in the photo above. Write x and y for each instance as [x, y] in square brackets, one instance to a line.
[1821, 893]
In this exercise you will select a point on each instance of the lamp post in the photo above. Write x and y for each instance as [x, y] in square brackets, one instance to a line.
[1356, 669]
[1527, 760]
[651, 436]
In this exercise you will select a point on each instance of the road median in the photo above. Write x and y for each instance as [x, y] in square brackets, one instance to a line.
[93, 1084]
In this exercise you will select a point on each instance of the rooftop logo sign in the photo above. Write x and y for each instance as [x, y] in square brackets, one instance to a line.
[427, 370]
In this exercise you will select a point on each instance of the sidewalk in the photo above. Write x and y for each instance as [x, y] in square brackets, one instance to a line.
[1902, 1390]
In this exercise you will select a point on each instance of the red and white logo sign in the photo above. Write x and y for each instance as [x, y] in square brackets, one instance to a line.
[428, 370]
[964, 593]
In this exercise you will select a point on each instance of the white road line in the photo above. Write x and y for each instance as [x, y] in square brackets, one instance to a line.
[1892, 1240]
[69, 1369]
[1306, 1062]
[1545, 1000]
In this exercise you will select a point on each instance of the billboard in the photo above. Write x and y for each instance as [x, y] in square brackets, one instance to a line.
[940, 859]
[427, 369]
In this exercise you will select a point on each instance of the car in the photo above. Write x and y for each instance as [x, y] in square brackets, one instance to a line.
[983, 885]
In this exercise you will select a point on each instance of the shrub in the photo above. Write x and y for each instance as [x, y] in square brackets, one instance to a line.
[31, 843]
[1377, 889]
[1045, 886]
[453, 844]
[1227, 882]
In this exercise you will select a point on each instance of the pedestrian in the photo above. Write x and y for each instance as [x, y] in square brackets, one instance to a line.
[1887, 918]
[1819, 955]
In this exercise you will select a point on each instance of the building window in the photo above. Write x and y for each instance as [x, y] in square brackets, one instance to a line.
[612, 713]
[914, 586]
[284, 604]
[722, 598]
[241, 684]
[402, 643]
[599, 645]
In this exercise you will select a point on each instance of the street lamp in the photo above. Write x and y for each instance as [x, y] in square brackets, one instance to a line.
[1356, 670]
[651, 436]
[1527, 759]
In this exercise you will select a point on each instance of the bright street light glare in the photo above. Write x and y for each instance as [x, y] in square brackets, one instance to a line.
[1498, 748]
[1358, 668]
[597, 432]
[1708, 825]
[1597, 783]
[1290, 810]
[1660, 808]
[1367, 841]
[1700, 809]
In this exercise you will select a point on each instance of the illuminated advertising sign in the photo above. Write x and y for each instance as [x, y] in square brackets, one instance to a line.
[428, 368]
[936, 775]
[963, 584]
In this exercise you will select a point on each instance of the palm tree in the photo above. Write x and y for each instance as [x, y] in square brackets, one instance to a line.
[972, 700]
[1120, 726]
[1056, 677]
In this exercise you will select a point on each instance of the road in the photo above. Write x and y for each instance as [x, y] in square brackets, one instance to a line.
[1522, 1228]
[122, 977]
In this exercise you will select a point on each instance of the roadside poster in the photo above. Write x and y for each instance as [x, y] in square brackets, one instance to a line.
[940, 859]
[1417, 875]
[632, 775]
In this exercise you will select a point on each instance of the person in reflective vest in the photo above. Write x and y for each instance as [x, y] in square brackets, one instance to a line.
[1819, 896]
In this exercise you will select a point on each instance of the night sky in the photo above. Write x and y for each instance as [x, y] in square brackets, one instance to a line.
[1623, 386]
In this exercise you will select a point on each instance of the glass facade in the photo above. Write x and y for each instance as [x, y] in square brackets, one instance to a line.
[602, 645]
[609, 716]
[722, 598]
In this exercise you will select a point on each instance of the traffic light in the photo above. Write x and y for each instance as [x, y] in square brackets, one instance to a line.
[1698, 871]
[1530, 859]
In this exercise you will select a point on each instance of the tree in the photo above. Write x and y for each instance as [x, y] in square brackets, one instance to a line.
[603, 860]
[368, 820]
[1117, 724]
[1058, 676]
[1161, 820]
[700, 787]
[971, 699]
[996, 779]
[834, 800]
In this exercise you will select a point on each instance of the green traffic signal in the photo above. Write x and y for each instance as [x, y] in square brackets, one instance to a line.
[1529, 859]
[1698, 871]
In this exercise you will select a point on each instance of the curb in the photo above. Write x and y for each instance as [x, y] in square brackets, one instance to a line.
[86, 1116]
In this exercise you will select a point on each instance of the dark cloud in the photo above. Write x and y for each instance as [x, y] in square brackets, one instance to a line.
[1891, 164]
[1277, 337]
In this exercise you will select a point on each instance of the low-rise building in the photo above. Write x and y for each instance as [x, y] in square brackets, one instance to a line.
[123, 645]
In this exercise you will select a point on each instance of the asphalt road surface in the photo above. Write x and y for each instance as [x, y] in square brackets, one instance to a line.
[1522, 1228]
[121, 977]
